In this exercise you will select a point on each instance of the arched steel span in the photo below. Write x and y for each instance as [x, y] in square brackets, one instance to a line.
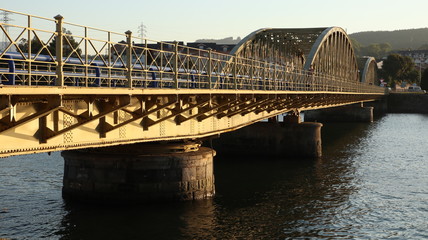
[368, 69]
[325, 51]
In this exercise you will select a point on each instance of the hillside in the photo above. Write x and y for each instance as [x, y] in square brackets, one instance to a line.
[399, 39]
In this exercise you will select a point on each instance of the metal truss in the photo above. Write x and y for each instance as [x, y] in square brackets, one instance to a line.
[368, 68]
[89, 87]
[315, 51]
[51, 122]
[269, 59]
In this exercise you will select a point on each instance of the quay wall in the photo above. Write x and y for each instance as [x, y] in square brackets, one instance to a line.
[407, 103]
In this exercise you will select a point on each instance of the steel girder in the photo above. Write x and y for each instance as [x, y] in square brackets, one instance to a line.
[368, 69]
[52, 122]
[322, 51]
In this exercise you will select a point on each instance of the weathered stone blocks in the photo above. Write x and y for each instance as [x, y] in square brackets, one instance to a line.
[272, 139]
[138, 176]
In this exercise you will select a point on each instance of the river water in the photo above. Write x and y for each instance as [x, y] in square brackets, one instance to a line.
[371, 183]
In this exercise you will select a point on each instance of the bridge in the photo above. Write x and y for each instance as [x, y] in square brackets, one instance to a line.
[105, 97]
[67, 86]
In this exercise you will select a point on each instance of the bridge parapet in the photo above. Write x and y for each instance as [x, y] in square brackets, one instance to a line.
[51, 52]
[100, 88]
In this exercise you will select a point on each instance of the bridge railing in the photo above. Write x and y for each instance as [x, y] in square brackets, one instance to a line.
[49, 52]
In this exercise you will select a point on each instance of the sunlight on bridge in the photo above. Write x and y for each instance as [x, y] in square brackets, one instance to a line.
[68, 86]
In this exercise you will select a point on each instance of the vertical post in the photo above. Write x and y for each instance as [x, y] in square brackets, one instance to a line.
[275, 83]
[146, 58]
[42, 130]
[59, 55]
[285, 85]
[161, 67]
[252, 74]
[264, 75]
[29, 51]
[209, 68]
[56, 121]
[86, 59]
[188, 62]
[129, 58]
[102, 129]
[12, 109]
[235, 76]
[176, 64]
[110, 59]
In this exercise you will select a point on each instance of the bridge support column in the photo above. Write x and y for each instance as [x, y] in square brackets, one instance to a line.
[380, 107]
[352, 113]
[284, 139]
[139, 173]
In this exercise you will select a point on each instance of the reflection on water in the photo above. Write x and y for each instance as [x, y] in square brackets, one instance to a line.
[125, 222]
[370, 184]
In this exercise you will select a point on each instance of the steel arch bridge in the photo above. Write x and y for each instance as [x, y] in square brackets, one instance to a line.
[92, 88]
[368, 69]
[321, 51]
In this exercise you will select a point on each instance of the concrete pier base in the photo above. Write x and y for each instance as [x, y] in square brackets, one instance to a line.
[353, 113]
[380, 107]
[138, 173]
[272, 139]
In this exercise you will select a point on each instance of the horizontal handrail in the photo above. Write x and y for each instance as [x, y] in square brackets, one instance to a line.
[115, 60]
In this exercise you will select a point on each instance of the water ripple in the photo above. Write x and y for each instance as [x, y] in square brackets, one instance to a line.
[370, 184]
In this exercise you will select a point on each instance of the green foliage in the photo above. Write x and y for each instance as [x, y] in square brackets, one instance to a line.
[38, 46]
[412, 76]
[399, 39]
[376, 50]
[357, 47]
[397, 68]
[424, 80]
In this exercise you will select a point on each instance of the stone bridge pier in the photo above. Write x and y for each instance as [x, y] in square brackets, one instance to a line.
[289, 138]
[138, 173]
[351, 113]
[183, 170]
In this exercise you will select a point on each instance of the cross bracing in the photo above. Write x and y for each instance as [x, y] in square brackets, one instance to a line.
[91, 88]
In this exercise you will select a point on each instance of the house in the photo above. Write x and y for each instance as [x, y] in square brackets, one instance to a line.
[420, 57]
[221, 48]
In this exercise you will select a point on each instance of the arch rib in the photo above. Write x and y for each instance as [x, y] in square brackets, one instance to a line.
[333, 54]
[369, 70]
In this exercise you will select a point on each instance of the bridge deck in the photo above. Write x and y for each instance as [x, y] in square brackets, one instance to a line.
[98, 88]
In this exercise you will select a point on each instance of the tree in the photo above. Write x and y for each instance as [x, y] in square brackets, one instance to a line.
[385, 48]
[69, 43]
[397, 68]
[357, 47]
[36, 46]
[412, 76]
[424, 80]
[376, 50]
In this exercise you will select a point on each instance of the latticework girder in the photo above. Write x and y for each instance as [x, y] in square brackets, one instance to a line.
[319, 51]
[368, 69]
[51, 122]
[102, 89]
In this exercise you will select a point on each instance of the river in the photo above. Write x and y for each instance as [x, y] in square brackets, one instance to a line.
[371, 183]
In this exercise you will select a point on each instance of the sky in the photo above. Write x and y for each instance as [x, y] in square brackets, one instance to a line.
[189, 20]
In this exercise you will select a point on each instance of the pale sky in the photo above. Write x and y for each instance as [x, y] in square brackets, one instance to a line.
[188, 20]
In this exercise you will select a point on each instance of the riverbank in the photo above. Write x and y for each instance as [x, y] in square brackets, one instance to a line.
[407, 103]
